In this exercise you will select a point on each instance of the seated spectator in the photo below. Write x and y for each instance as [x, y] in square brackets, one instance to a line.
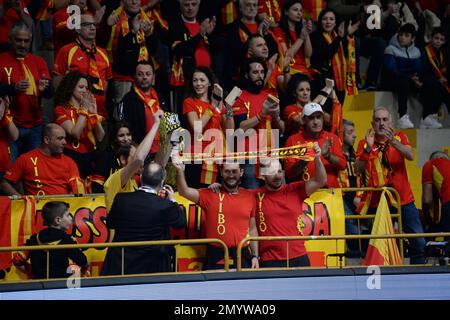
[143, 215]
[24, 77]
[435, 189]
[11, 12]
[292, 36]
[132, 39]
[203, 110]
[331, 156]
[108, 161]
[58, 220]
[8, 132]
[45, 170]
[140, 104]
[435, 88]
[330, 57]
[190, 42]
[401, 70]
[76, 112]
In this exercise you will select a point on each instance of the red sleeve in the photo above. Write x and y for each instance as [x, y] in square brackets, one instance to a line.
[60, 67]
[203, 198]
[76, 184]
[189, 106]
[360, 154]
[427, 173]
[403, 138]
[17, 172]
[299, 188]
[336, 149]
[61, 115]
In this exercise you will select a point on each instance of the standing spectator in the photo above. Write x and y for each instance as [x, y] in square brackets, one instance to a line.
[436, 180]
[252, 111]
[25, 77]
[330, 53]
[229, 215]
[402, 66]
[190, 43]
[204, 110]
[348, 178]
[8, 132]
[396, 14]
[131, 40]
[84, 56]
[381, 156]
[140, 104]
[76, 112]
[434, 76]
[11, 12]
[331, 147]
[58, 220]
[143, 215]
[45, 170]
[293, 40]
[280, 207]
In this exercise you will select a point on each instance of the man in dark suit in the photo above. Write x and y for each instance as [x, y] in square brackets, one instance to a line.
[143, 216]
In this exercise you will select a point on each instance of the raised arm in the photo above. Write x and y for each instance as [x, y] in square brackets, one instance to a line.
[182, 186]
[320, 178]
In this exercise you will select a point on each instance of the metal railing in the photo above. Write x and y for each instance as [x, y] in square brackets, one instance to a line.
[123, 245]
[333, 237]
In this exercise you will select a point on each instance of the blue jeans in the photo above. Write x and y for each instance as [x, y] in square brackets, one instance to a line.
[412, 224]
[29, 139]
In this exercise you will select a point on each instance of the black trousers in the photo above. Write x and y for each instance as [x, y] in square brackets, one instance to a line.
[432, 95]
[302, 261]
[215, 254]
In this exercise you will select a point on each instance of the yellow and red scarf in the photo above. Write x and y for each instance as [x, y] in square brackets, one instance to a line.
[229, 13]
[437, 63]
[149, 101]
[97, 83]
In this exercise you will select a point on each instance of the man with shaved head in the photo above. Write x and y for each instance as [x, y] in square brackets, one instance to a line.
[143, 215]
[45, 170]
[279, 208]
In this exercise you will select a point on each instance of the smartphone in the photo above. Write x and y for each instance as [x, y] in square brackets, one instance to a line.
[233, 95]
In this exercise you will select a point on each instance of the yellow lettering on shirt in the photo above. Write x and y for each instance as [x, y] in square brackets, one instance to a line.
[8, 73]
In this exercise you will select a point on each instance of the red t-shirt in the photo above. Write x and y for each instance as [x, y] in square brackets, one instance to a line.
[298, 65]
[215, 122]
[281, 211]
[10, 17]
[46, 175]
[289, 114]
[26, 109]
[252, 27]
[332, 170]
[87, 140]
[202, 56]
[437, 172]
[71, 57]
[237, 209]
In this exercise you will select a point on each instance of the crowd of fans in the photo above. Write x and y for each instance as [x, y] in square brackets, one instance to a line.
[119, 64]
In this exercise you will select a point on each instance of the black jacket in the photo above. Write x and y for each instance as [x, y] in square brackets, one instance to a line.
[141, 216]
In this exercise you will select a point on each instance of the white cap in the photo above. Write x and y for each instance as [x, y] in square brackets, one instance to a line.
[310, 108]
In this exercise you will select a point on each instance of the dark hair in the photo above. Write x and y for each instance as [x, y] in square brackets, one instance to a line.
[124, 151]
[153, 175]
[407, 28]
[293, 83]
[439, 30]
[346, 122]
[146, 63]
[284, 25]
[53, 209]
[321, 14]
[249, 40]
[190, 92]
[245, 66]
[67, 86]
[115, 129]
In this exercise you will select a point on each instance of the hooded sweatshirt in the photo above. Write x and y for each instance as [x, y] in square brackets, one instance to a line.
[399, 59]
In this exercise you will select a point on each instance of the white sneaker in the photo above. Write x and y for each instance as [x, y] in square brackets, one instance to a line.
[430, 122]
[405, 123]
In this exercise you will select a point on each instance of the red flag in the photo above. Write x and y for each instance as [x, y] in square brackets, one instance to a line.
[382, 252]
[5, 231]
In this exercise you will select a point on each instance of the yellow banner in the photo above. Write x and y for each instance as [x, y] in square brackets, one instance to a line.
[323, 214]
